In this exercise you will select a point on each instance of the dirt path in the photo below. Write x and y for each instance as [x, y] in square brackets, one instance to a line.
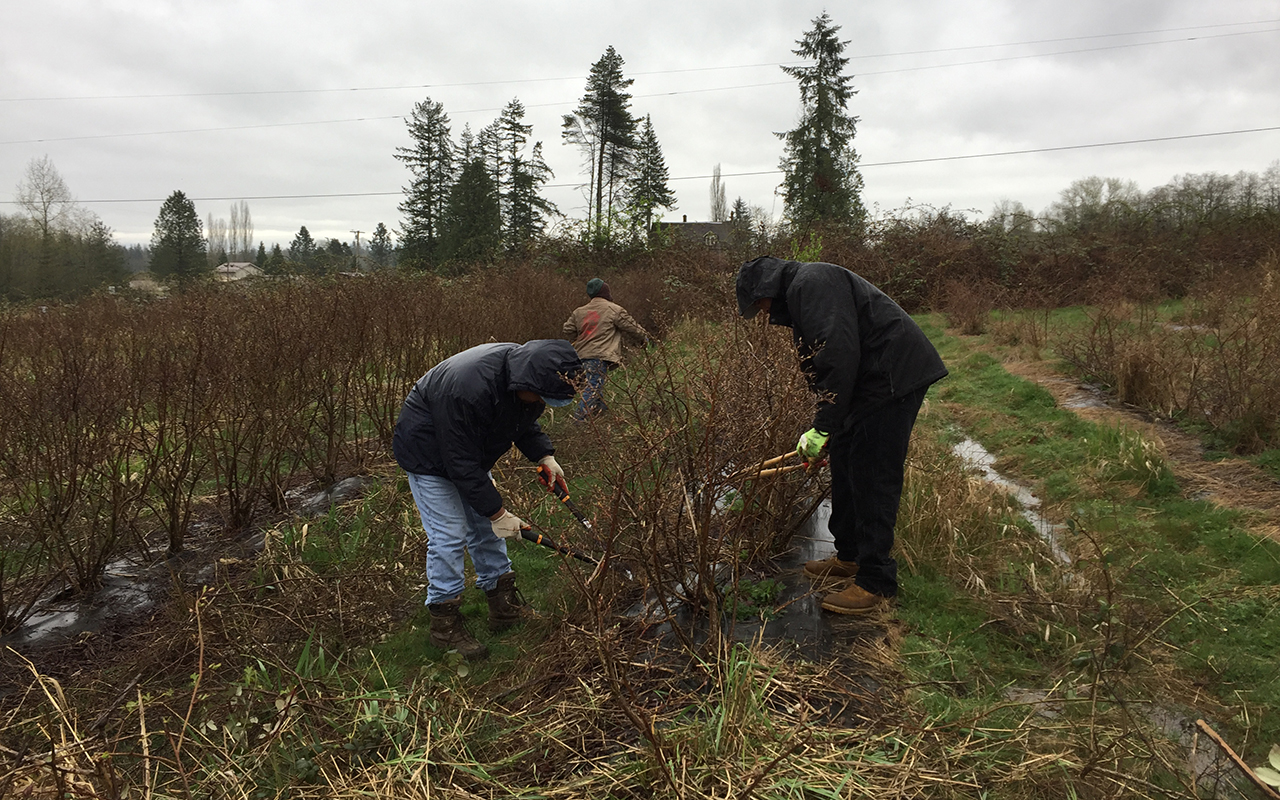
[1231, 483]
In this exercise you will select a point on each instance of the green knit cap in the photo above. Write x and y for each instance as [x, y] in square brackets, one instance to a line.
[594, 286]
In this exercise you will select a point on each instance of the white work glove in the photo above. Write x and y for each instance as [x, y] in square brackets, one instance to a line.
[551, 474]
[507, 525]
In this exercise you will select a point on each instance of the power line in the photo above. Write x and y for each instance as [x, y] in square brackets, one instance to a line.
[1070, 39]
[900, 162]
[418, 86]
[994, 154]
[201, 130]
[1062, 53]
[642, 96]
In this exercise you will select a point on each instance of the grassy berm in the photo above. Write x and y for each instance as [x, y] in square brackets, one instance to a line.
[1006, 669]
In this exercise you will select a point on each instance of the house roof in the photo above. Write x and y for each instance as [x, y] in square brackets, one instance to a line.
[236, 270]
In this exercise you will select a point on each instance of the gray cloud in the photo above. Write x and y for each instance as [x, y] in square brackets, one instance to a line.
[719, 110]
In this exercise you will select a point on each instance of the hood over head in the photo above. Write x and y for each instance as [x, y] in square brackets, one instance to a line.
[763, 277]
[544, 366]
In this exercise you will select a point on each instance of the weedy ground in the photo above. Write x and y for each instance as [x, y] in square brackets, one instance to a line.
[1000, 672]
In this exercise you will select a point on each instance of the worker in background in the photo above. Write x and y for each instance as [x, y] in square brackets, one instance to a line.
[597, 330]
[870, 364]
[458, 420]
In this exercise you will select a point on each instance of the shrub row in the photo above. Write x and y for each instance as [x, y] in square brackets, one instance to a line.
[122, 416]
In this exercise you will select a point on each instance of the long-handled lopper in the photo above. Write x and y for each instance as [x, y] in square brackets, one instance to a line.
[529, 535]
[768, 468]
[558, 488]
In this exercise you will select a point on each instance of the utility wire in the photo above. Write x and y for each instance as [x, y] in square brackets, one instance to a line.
[403, 87]
[901, 162]
[641, 96]
[202, 130]
[1062, 52]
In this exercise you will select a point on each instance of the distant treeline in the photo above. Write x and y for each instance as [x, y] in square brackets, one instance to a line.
[1103, 238]
[64, 263]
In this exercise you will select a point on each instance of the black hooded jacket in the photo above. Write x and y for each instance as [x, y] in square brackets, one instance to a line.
[463, 415]
[858, 348]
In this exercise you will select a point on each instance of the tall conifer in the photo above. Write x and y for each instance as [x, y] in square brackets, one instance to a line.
[821, 182]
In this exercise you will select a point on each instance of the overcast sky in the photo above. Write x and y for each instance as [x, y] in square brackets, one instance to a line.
[256, 100]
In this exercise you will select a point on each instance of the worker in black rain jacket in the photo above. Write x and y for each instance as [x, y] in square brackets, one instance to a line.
[870, 364]
[457, 421]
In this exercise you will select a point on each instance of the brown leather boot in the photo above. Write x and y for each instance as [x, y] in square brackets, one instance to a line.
[449, 632]
[506, 606]
[853, 600]
[831, 567]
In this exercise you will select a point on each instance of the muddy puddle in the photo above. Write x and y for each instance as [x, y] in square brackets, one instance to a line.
[133, 588]
[123, 593]
[797, 624]
[976, 457]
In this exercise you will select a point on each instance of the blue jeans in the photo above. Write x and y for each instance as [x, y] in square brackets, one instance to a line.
[453, 527]
[592, 400]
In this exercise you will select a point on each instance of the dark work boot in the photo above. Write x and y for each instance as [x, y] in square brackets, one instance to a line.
[449, 632]
[506, 606]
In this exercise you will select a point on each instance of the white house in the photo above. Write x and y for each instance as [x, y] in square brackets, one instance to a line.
[236, 271]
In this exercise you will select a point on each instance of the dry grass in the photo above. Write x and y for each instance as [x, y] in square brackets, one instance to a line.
[263, 686]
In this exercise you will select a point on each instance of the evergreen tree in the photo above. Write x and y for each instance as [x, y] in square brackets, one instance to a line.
[528, 210]
[302, 250]
[467, 148]
[261, 258]
[489, 150]
[380, 246]
[511, 134]
[276, 263]
[104, 259]
[519, 178]
[431, 165]
[740, 222]
[647, 187]
[604, 129]
[472, 229]
[333, 256]
[821, 182]
[177, 245]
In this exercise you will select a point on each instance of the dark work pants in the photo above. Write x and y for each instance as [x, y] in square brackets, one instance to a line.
[867, 467]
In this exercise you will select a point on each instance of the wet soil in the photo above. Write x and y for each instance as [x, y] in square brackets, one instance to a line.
[1230, 482]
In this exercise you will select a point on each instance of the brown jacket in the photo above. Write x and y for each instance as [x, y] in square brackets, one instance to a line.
[597, 329]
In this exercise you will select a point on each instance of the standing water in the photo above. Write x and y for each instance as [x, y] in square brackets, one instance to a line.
[975, 456]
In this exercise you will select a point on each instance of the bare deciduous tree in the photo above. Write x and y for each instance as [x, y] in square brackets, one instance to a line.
[216, 236]
[719, 208]
[45, 197]
[240, 232]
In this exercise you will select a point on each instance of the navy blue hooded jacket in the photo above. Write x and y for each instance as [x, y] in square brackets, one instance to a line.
[857, 347]
[463, 415]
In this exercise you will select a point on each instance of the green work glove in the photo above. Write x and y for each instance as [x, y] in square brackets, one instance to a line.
[812, 443]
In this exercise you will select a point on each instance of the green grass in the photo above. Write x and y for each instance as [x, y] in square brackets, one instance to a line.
[1188, 579]
[1269, 460]
[1171, 601]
